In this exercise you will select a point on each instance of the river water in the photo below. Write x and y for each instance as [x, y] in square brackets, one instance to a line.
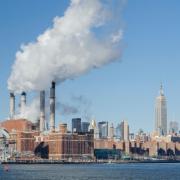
[92, 171]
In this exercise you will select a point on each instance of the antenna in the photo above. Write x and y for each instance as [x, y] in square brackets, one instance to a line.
[161, 90]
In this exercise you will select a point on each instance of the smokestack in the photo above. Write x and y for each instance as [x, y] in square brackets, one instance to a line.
[42, 111]
[12, 105]
[23, 101]
[52, 107]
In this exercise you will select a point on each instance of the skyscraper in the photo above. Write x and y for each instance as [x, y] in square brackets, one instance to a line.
[103, 129]
[118, 131]
[94, 127]
[111, 131]
[85, 127]
[161, 114]
[76, 125]
[124, 130]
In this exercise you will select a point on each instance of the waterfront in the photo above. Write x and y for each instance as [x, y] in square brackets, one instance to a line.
[92, 171]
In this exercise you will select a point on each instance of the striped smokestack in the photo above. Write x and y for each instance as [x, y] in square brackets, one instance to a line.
[52, 107]
[12, 105]
[42, 111]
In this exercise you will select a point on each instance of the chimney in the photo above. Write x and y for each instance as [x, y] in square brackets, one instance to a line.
[23, 101]
[52, 107]
[12, 105]
[42, 111]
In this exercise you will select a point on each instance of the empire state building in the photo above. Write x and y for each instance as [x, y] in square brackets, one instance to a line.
[161, 114]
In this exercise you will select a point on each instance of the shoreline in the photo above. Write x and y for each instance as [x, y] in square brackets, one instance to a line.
[88, 162]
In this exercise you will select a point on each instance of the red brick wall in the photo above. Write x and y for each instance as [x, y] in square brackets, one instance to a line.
[17, 124]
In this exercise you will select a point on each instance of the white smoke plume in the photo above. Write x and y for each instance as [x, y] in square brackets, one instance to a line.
[30, 112]
[75, 44]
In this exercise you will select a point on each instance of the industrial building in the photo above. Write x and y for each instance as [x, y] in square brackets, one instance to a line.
[27, 139]
[63, 145]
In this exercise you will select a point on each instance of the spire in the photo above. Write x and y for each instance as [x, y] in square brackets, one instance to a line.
[161, 90]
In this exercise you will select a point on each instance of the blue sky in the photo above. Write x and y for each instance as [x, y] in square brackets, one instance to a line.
[122, 90]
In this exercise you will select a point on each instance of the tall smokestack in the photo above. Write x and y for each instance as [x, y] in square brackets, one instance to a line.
[42, 111]
[12, 105]
[52, 107]
[23, 101]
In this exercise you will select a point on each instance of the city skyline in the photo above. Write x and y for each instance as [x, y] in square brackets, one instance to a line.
[89, 87]
[120, 90]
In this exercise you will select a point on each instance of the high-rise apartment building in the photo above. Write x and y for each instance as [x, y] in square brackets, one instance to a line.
[111, 131]
[161, 114]
[124, 131]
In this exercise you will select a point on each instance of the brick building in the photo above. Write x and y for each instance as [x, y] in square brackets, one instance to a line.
[67, 145]
[22, 135]
[17, 125]
[23, 141]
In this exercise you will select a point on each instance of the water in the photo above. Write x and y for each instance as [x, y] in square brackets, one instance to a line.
[92, 172]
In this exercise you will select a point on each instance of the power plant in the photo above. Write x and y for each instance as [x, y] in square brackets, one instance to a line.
[28, 137]
[42, 95]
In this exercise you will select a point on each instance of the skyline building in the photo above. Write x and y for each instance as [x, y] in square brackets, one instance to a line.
[124, 131]
[118, 131]
[173, 127]
[76, 125]
[85, 127]
[161, 114]
[111, 131]
[103, 129]
[94, 127]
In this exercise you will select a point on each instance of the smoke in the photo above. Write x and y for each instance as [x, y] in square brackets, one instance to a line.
[86, 37]
[79, 105]
[66, 109]
[84, 106]
[80, 100]
[30, 112]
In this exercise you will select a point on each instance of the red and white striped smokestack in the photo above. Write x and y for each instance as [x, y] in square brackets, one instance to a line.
[52, 106]
[42, 111]
[12, 105]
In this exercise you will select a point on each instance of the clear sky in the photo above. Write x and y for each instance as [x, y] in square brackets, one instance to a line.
[122, 90]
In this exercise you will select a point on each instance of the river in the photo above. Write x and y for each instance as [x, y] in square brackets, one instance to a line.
[138, 171]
